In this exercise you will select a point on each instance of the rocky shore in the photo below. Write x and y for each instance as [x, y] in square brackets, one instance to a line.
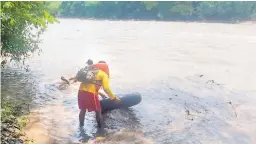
[12, 122]
[11, 132]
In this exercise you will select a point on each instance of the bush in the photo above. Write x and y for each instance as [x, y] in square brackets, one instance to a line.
[22, 23]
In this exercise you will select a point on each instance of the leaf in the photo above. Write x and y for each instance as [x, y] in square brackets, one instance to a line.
[7, 4]
[18, 20]
[29, 6]
[46, 14]
[12, 22]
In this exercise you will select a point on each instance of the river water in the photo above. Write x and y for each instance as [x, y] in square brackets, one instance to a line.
[187, 73]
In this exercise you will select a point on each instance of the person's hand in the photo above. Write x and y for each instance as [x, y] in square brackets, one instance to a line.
[103, 96]
[116, 99]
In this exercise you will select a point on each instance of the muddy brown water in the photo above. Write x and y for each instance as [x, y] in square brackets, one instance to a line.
[187, 74]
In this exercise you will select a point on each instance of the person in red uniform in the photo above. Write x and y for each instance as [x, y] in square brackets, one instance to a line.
[88, 93]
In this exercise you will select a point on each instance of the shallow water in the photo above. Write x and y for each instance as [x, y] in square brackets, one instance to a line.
[170, 63]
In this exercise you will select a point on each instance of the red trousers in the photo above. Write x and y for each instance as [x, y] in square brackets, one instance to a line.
[89, 101]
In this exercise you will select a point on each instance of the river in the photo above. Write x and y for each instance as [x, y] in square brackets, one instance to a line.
[187, 73]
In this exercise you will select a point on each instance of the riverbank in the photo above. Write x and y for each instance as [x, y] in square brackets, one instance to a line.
[16, 103]
[13, 120]
[251, 21]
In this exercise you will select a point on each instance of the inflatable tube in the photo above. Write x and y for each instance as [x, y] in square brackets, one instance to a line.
[127, 100]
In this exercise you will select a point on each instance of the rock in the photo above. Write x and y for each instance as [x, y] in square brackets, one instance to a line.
[10, 141]
[12, 117]
[16, 126]
[4, 126]
[22, 134]
[17, 130]
[21, 141]
[13, 141]
[8, 121]
[4, 142]
[16, 141]
[11, 130]
[17, 133]
[5, 134]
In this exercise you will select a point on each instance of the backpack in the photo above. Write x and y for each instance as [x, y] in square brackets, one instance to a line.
[87, 75]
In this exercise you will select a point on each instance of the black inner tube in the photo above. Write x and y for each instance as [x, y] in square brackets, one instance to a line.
[127, 100]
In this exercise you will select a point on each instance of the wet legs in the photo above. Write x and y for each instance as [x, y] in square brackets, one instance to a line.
[99, 118]
[81, 117]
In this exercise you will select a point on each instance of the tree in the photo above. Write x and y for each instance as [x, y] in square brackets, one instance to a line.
[165, 10]
[22, 23]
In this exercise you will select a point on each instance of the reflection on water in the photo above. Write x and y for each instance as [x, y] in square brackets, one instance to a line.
[187, 74]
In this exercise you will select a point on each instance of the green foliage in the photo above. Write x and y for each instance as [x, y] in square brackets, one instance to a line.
[22, 121]
[11, 109]
[150, 4]
[22, 23]
[7, 110]
[53, 7]
[166, 10]
[182, 8]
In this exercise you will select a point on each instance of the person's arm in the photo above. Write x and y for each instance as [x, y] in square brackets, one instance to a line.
[106, 88]
[102, 95]
[73, 78]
